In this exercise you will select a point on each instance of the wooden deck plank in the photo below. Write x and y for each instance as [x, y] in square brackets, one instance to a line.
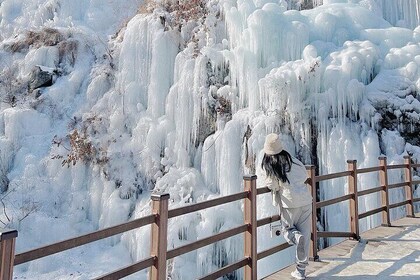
[339, 253]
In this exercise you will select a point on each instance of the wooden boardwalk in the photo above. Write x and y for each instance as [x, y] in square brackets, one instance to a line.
[382, 253]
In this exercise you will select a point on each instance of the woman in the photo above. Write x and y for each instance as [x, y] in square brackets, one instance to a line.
[285, 176]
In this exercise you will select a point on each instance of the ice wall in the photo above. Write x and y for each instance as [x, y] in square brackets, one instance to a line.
[183, 106]
[403, 13]
[100, 16]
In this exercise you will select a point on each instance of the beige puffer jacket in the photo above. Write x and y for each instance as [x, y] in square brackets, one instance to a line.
[291, 195]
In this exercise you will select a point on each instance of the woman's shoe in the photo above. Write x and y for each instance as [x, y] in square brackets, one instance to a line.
[298, 274]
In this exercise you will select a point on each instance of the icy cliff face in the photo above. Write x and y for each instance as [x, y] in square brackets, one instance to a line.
[402, 13]
[104, 103]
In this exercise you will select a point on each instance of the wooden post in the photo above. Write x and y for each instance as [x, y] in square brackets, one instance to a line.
[354, 203]
[313, 254]
[250, 218]
[7, 251]
[159, 234]
[409, 186]
[383, 179]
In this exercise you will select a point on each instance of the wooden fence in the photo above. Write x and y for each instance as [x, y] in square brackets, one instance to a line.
[159, 254]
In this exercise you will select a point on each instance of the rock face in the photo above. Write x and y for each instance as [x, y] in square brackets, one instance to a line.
[396, 100]
[41, 77]
[4, 183]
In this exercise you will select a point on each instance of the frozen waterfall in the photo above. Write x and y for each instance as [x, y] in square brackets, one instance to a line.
[149, 96]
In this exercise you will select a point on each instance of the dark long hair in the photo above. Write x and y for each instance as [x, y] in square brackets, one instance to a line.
[278, 165]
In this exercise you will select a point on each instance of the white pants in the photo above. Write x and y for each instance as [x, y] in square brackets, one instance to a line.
[295, 221]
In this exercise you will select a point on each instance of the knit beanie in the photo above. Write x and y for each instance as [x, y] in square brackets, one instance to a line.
[272, 145]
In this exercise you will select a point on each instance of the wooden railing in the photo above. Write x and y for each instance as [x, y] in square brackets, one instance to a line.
[160, 215]
[353, 195]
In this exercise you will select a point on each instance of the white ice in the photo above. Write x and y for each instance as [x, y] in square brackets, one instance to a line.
[186, 112]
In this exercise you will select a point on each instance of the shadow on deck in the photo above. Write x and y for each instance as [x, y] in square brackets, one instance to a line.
[382, 253]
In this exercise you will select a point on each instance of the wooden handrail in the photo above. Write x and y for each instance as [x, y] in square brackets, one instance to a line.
[402, 203]
[334, 200]
[206, 241]
[263, 190]
[332, 176]
[331, 234]
[227, 269]
[396, 166]
[372, 190]
[372, 212]
[268, 220]
[397, 185]
[81, 240]
[273, 250]
[368, 170]
[161, 214]
[206, 204]
[128, 270]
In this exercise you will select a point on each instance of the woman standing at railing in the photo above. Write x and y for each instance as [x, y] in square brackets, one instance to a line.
[286, 176]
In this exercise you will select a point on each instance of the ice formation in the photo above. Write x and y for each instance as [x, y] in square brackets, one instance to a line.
[151, 98]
